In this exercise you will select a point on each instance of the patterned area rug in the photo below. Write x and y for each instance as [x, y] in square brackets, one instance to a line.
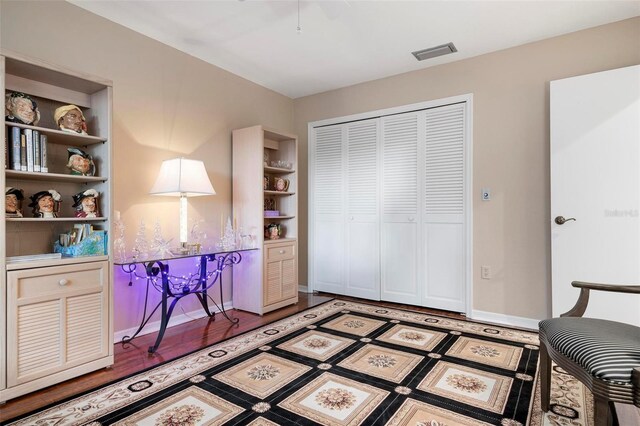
[342, 364]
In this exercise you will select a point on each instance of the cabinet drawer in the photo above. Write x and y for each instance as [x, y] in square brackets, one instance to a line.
[58, 280]
[280, 251]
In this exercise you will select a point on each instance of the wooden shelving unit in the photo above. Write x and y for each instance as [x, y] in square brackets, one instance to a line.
[270, 280]
[46, 303]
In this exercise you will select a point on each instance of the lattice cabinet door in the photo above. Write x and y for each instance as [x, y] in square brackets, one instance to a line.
[57, 319]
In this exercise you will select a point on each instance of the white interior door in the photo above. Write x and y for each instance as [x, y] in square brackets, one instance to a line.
[400, 214]
[595, 178]
[363, 224]
[328, 210]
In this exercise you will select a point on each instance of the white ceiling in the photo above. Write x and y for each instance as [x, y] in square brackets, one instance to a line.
[347, 42]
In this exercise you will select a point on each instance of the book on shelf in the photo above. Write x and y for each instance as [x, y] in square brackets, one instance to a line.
[26, 150]
[36, 151]
[33, 257]
[43, 154]
[15, 148]
[23, 153]
[29, 135]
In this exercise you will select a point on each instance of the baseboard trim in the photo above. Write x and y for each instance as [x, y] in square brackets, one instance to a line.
[508, 320]
[154, 326]
[303, 288]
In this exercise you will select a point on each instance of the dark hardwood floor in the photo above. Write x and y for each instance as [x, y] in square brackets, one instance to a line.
[178, 341]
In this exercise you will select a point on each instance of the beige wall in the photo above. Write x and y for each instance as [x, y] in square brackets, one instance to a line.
[169, 104]
[165, 104]
[510, 148]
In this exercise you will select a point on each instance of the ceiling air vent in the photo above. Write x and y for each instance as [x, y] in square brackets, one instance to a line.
[432, 52]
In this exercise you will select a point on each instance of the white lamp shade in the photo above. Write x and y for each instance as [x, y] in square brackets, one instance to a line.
[182, 177]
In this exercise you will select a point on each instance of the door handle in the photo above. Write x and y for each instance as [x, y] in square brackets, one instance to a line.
[560, 220]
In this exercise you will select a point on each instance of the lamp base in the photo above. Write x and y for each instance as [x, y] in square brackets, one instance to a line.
[186, 249]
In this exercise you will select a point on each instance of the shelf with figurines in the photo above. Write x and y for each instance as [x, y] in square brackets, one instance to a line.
[273, 192]
[22, 113]
[37, 150]
[46, 206]
[269, 169]
[53, 177]
[60, 137]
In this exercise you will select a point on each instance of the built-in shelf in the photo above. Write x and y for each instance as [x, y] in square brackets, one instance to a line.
[33, 278]
[279, 240]
[41, 263]
[60, 137]
[56, 219]
[53, 177]
[278, 170]
[268, 192]
[279, 217]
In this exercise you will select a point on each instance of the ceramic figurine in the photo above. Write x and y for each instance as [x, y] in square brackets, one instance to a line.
[281, 184]
[272, 231]
[86, 203]
[45, 203]
[13, 202]
[80, 163]
[70, 118]
[20, 108]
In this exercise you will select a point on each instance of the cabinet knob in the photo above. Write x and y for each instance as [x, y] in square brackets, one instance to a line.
[350, 217]
[411, 218]
[63, 282]
[281, 252]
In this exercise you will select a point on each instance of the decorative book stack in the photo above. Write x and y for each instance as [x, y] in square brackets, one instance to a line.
[27, 150]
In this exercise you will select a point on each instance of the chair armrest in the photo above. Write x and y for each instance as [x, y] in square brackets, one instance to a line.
[583, 299]
[618, 288]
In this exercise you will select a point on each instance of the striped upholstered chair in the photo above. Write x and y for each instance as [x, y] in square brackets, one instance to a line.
[604, 355]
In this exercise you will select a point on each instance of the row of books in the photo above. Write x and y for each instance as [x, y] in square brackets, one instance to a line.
[26, 150]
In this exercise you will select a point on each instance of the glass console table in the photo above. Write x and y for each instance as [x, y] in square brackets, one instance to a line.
[174, 287]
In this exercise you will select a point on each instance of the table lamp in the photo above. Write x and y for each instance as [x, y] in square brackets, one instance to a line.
[180, 177]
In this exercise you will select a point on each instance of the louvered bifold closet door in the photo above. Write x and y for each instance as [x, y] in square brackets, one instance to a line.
[327, 206]
[443, 216]
[400, 208]
[363, 227]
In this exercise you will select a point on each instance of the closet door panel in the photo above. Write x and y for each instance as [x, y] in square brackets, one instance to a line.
[399, 264]
[363, 235]
[400, 214]
[329, 195]
[363, 261]
[443, 277]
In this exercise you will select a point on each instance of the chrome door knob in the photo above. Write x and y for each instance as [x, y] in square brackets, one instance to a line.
[561, 220]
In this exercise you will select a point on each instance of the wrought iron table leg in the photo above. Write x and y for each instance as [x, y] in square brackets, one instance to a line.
[163, 324]
[201, 290]
[222, 309]
[164, 320]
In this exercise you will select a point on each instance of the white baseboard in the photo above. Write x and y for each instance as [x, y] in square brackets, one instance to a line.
[154, 326]
[502, 319]
[303, 288]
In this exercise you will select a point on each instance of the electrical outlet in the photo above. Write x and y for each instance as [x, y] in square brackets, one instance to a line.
[485, 272]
